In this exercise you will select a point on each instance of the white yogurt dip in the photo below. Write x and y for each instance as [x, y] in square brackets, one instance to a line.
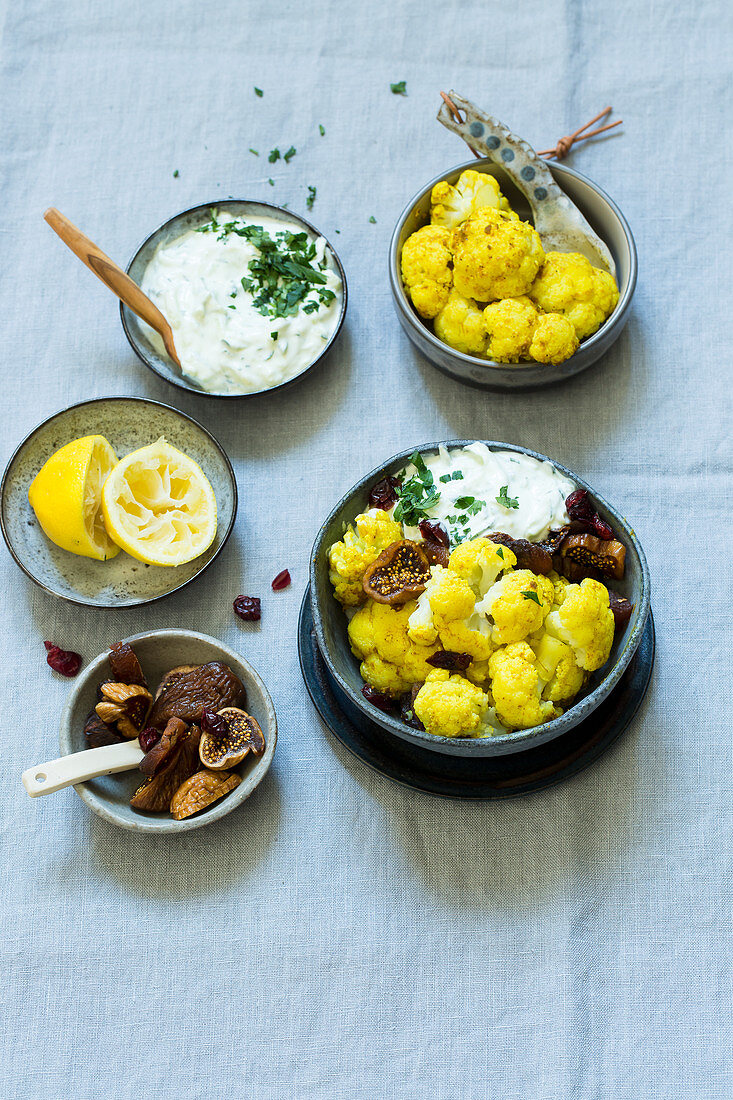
[226, 342]
[483, 491]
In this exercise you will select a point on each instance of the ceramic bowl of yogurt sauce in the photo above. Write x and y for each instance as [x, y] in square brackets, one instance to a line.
[255, 296]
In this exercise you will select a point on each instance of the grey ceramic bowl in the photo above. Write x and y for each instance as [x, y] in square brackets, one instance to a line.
[602, 214]
[158, 651]
[175, 227]
[128, 423]
[330, 622]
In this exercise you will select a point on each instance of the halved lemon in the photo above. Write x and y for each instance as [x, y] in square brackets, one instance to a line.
[66, 495]
[159, 506]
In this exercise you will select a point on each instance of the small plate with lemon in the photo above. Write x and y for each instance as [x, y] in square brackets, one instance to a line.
[117, 502]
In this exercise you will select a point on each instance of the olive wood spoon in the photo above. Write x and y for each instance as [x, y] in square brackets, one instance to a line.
[113, 277]
[77, 767]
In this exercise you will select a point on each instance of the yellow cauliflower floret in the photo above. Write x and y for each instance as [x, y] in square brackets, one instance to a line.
[383, 676]
[559, 584]
[516, 688]
[451, 205]
[350, 558]
[426, 269]
[391, 662]
[585, 621]
[472, 636]
[510, 326]
[554, 339]
[480, 561]
[567, 283]
[446, 597]
[495, 256]
[564, 677]
[451, 706]
[518, 603]
[460, 323]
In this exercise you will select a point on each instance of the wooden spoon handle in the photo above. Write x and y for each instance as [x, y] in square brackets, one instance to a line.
[80, 766]
[112, 276]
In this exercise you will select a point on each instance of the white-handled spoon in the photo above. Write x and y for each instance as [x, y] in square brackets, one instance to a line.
[77, 767]
[561, 226]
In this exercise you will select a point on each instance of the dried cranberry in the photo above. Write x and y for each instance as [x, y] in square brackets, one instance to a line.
[378, 698]
[149, 737]
[248, 608]
[578, 506]
[384, 495]
[282, 580]
[601, 529]
[434, 531]
[447, 658]
[621, 609]
[214, 724]
[407, 709]
[63, 661]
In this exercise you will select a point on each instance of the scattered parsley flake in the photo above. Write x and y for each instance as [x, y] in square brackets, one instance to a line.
[176, 174]
[445, 477]
[311, 197]
[321, 129]
[274, 335]
[457, 476]
[273, 155]
[463, 502]
[532, 596]
[372, 220]
[416, 496]
[505, 500]
[259, 92]
[400, 88]
[287, 157]
[500, 552]
[271, 182]
[254, 152]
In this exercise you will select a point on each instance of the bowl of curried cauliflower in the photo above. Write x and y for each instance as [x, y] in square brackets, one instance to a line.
[477, 294]
[467, 641]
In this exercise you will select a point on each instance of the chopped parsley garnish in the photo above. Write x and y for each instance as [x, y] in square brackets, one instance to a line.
[372, 220]
[287, 157]
[532, 596]
[400, 88]
[417, 496]
[176, 174]
[311, 198]
[274, 335]
[273, 155]
[254, 152]
[283, 273]
[271, 182]
[500, 552]
[259, 92]
[457, 475]
[444, 478]
[321, 129]
[505, 500]
[463, 502]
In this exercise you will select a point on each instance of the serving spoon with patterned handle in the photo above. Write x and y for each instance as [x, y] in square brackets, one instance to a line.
[561, 226]
[118, 281]
[77, 767]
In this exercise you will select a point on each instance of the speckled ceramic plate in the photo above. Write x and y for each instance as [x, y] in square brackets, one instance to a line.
[128, 423]
[475, 777]
[158, 651]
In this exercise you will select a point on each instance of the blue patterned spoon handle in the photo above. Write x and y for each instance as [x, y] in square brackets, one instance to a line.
[561, 226]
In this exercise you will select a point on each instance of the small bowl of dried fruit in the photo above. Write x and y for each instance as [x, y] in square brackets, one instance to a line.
[183, 728]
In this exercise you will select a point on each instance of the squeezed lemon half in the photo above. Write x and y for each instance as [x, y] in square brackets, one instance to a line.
[159, 506]
[66, 496]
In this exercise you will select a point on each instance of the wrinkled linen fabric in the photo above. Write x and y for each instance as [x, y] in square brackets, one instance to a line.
[339, 936]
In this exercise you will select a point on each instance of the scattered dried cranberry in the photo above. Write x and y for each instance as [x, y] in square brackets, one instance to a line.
[148, 738]
[378, 698]
[434, 531]
[407, 709]
[214, 724]
[248, 608]
[581, 512]
[601, 529]
[63, 661]
[282, 580]
[383, 495]
[446, 658]
[621, 609]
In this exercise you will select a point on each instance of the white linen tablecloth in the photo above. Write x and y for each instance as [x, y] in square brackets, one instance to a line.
[340, 936]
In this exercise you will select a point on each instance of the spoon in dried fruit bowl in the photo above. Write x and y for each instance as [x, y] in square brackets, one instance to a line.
[66, 771]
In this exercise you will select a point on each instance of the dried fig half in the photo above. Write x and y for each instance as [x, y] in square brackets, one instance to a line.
[205, 687]
[399, 574]
[229, 736]
[608, 557]
[98, 733]
[158, 756]
[125, 667]
[529, 555]
[155, 795]
[200, 791]
[171, 676]
[621, 608]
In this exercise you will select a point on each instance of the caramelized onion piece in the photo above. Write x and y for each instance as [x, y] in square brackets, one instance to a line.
[400, 573]
[609, 557]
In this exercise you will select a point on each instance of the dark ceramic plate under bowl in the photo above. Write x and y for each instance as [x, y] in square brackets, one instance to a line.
[330, 621]
[128, 423]
[176, 227]
[605, 218]
[495, 777]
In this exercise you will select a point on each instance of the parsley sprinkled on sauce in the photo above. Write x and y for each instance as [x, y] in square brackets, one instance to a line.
[274, 335]
[505, 500]
[532, 596]
[417, 496]
[400, 88]
[445, 477]
[321, 129]
[311, 197]
[273, 155]
[287, 157]
[259, 92]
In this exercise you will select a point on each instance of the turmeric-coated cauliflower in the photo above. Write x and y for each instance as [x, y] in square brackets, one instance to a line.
[350, 558]
[480, 561]
[450, 205]
[563, 677]
[446, 597]
[426, 269]
[451, 706]
[584, 621]
[460, 323]
[518, 603]
[510, 325]
[516, 687]
[391, 662]
[554, 339]
[567, 283]
[495, 256]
